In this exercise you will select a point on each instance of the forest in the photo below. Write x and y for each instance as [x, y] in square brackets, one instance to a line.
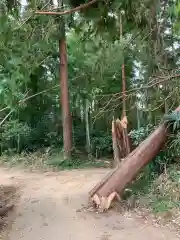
[70, 67]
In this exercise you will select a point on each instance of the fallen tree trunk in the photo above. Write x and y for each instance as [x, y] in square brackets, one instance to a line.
[114, 184]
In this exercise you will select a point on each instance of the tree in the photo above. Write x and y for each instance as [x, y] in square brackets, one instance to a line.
[64, 91]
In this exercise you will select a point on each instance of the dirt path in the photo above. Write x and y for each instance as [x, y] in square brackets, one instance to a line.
[48, 210]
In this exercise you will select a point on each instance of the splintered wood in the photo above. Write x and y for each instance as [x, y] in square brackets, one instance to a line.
[120, 139]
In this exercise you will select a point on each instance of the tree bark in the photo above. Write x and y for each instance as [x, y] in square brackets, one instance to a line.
[116, 150]
[64, 92]
[88, 140]
[115, 183]
[123, 72]
[123, 138]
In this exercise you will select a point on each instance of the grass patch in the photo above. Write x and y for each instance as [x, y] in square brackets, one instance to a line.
[165, 191]
[161, 205]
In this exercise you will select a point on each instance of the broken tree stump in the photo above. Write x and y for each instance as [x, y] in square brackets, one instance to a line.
[120, 140]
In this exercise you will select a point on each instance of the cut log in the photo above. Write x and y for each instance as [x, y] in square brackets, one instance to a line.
[93, 191]
[116, 182]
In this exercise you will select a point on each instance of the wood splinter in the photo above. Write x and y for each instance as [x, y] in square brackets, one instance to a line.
[104, 203]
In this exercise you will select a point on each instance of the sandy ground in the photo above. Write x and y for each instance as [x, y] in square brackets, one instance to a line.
[48, 209]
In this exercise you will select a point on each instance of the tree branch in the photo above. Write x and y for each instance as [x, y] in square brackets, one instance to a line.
[29, 97]
[152, 84]
[80, 7]
[36, 94]
[6, 117]
[26, 20]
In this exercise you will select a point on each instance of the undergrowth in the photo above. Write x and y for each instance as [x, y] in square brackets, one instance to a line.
[51, 161]
[165, 191]
[160, 195]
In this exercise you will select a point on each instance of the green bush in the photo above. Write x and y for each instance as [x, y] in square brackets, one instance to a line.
[101, 144]
[139, 135]
[14, 135]
[162, 159]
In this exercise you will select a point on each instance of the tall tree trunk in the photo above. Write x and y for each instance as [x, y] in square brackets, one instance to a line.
[123, 71]
[88, 140]
[66, 115]
[120, 141]
[155, 37]
[138, 117]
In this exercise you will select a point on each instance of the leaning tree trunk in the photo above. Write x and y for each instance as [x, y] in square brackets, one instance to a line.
[114, 184]
[66, 115]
